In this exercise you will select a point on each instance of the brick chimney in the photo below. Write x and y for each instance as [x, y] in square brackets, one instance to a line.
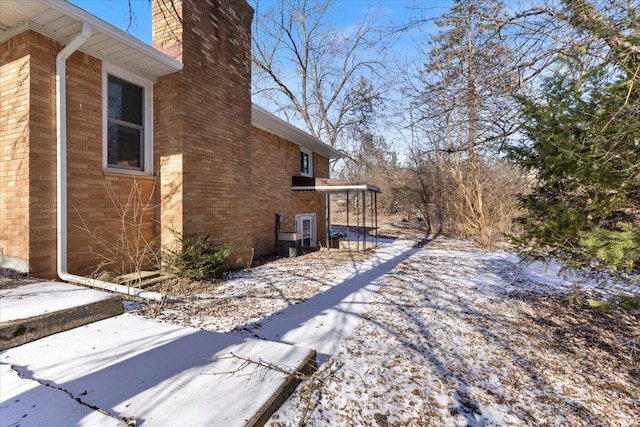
[202, 121]
[166, 27]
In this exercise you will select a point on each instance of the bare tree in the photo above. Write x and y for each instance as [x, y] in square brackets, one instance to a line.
[308, 70]
[465, 110]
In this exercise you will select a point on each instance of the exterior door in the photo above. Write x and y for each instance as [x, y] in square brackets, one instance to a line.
[306, 224]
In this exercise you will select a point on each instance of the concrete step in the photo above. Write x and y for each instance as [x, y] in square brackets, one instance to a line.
[137, 371]
[37, 310]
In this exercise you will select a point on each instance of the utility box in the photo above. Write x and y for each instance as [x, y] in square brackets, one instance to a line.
[289, 244]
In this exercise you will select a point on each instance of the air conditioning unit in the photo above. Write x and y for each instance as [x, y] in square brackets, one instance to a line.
[289, 244]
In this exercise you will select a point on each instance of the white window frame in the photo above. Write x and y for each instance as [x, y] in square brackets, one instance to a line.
[147, 85]
[310, 154]
[314, 227]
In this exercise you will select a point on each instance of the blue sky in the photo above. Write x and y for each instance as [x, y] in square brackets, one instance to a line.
[347, 13]
[116, 12]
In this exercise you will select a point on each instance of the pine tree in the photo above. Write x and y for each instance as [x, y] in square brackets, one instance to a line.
[584, 149]
[467, 109]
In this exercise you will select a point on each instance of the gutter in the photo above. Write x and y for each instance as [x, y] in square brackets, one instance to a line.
[109, 30]
[61, 193]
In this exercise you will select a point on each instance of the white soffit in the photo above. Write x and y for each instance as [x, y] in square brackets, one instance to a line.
[262, 119]
[62, 21]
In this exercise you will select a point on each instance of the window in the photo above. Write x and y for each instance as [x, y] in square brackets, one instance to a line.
[306, 162]
[306, 224]
[127, 121]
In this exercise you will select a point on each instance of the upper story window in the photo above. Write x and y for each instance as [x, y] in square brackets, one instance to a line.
[127, 124]
[306, 162]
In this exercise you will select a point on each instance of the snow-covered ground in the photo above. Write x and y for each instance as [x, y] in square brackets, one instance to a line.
[450, 335]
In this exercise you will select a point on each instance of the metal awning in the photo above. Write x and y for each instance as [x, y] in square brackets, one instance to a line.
[359, 191]
[326, 185]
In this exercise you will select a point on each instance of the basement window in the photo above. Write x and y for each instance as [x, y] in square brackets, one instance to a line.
[127, 121]
[306, 163]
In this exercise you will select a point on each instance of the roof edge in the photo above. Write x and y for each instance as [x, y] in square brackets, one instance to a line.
[327, 185]
[269, 122]
[109, 30]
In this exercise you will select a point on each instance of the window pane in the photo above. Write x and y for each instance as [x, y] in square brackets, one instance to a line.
[304, 162]
[125, 146]
[126, 101]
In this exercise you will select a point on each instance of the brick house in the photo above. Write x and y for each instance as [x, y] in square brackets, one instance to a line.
[173, 121]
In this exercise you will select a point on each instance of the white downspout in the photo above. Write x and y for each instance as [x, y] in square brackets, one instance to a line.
[61, 152]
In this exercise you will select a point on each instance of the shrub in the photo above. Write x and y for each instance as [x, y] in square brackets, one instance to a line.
[197, 258]
[629, 303]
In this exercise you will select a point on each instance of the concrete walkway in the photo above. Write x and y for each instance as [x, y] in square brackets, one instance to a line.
[323, 321]
[126, 370]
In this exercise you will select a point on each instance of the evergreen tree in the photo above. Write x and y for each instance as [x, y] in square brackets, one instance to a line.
[583, 147]
[467, 110]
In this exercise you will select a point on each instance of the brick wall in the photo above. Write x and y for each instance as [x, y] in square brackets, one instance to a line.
[28, 165]
[31, 166]
[42, 203]
[168, 124]
[214, 161]
[212, 177]
[110, 215]
[14, 147]
[167, 146]
[166, 27]
[275, 161]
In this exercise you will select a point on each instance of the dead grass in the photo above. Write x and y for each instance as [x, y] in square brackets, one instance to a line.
[243, 297]
[449, 341]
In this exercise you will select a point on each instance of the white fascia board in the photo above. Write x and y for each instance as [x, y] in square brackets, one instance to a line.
[262, 119]
[114, 33]
[336, 188]
[14, 31]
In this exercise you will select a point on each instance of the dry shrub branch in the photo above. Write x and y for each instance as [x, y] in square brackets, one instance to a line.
[123, 245]
[313, 382]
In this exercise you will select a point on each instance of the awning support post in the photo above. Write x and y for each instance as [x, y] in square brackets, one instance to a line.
[328, 215]
[357, 221]
[375, 195]
[348, 244]
[372, 216]
[364, 221]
